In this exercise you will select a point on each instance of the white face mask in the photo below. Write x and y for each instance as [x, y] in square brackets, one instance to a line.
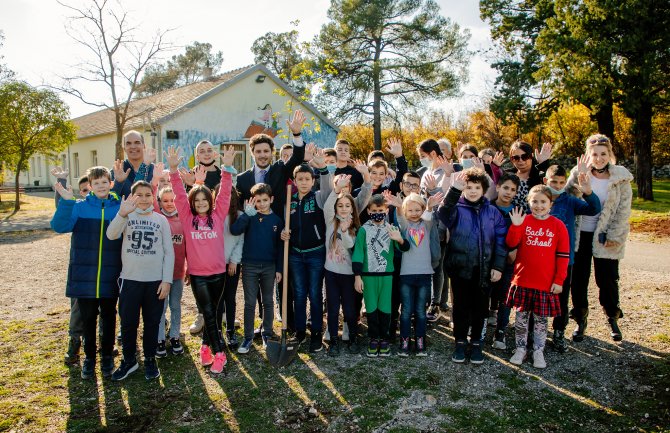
[556, 191]
[426, 162]
[467, 163]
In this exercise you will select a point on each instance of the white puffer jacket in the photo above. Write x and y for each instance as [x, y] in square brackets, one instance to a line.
[614, 216]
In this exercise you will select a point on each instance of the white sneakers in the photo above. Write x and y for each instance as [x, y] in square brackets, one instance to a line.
[520, 355]
[538, 359]
[197, 325]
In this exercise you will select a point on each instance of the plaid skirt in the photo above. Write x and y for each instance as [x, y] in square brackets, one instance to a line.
[543, 304]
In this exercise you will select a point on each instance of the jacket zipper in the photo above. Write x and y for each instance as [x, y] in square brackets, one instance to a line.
[102, 227]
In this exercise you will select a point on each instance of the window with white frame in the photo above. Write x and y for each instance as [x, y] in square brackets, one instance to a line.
[94, 158]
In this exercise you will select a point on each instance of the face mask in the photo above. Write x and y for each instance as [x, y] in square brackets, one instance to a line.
[169, 214]
[377, 216]
[331, 168]
[426, 162]
[556, 191]
[467, 163]
[346, 218]
[145, 211]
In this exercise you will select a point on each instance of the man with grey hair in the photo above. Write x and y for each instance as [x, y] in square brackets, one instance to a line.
[124, 172]
[445, 147]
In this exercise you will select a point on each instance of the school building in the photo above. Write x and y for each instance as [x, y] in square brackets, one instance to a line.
[225, 109]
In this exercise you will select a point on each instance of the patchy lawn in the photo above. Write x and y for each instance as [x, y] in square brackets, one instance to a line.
[652, 216]
[598, 386]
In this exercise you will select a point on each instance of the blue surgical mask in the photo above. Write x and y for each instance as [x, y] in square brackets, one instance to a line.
[426, 162]
[467, 163]
[377, 216]
[556, 191]
[331, 168]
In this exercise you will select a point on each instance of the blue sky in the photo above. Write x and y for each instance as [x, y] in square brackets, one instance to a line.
[37, 47]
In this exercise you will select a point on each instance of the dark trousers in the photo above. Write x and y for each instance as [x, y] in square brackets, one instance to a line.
[470, 307]
[89, 309]
[258, 277]
[133, 297]
[499, 292]
[440, 287]
[229, 304]
[208, 292]
[396, 297]
[561, 321]
[340, 291]
[607, 279]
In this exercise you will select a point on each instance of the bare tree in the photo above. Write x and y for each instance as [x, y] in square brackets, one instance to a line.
[117, 59]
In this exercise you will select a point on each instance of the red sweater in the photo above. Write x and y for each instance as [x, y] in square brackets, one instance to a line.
[543, 252]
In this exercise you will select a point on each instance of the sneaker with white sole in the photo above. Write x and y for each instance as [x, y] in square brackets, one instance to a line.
[499, 340]
[161, 351]
[219, 362]
[197, 325]
[538, 359]
[176, 347]
[519, 356]
[245, 346]
[124, 369]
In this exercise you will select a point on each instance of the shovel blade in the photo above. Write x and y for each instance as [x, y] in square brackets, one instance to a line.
[282, 352]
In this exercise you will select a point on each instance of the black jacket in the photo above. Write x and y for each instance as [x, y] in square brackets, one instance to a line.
[277, 176]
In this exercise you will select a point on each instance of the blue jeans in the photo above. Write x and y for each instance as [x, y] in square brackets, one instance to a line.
[174, 301]
[414, 292]
[306, 271]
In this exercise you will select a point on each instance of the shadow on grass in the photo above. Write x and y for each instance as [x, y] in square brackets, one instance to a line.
[25, 236]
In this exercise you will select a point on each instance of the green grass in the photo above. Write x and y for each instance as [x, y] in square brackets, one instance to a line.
[660, 207]
[39, 393]
[30, 205]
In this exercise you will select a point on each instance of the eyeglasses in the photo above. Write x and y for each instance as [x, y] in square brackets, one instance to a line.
[517, 158]
[412, 186]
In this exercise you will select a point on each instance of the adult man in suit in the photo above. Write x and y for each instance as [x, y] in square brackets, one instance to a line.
[276, 175]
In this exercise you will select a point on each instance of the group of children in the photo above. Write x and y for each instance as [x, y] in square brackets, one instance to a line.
[365, 233]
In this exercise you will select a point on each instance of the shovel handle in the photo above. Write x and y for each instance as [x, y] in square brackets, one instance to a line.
[284, 280]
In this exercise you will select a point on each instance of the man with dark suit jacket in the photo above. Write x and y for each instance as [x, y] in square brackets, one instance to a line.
[276, 175]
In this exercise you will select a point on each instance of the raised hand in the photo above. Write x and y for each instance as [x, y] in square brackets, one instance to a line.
[392, 200]
[59, 173]
[295, 124]
[498, 159]
[187, 176]
[250, 207]
[517, 216]
[434, 200]
[446, 165]
[66, 194]
[583, 163]
[173, 159]
[478, 163]
[127, 206]
[495, 276]
[544, 154]
[310, 150]
[394, 147]
[459, 181]
[119, 174]
[149, 155]
[363, 169]
[200, 173]
[228, 156]
[394, 233]
[341, 181]
[431, 182]
[163, 290]
[319, 159]
[159, 167]
[584, 183]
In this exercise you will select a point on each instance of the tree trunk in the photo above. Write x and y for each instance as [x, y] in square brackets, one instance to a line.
[377, 101]
[118, 148]
[605, 117]
[17, 174]
[642, 142]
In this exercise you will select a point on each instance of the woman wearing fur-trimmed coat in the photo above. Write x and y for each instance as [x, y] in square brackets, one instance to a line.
[601, 237]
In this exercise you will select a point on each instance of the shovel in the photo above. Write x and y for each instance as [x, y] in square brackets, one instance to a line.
[282, 352]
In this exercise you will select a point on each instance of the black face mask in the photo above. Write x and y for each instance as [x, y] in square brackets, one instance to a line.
[206, 165]
[601, 170]
[377, 216]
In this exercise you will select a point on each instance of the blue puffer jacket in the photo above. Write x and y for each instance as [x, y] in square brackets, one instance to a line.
[95, 261]
[473, 227]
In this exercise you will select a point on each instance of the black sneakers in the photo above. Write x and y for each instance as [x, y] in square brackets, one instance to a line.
[73, 347]
[316, 342]
[616, 331]
[107, 366]
[459, 353]
[333, 347]
[352, 345]
[88, 368]
[161, 351]
[176, 347]
[124, 370]
[476, 355]
[151, 370]
[232, 341]
[404, 347]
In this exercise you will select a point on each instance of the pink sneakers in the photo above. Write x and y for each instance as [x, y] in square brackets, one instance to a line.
[219, 362]
[206, 357]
